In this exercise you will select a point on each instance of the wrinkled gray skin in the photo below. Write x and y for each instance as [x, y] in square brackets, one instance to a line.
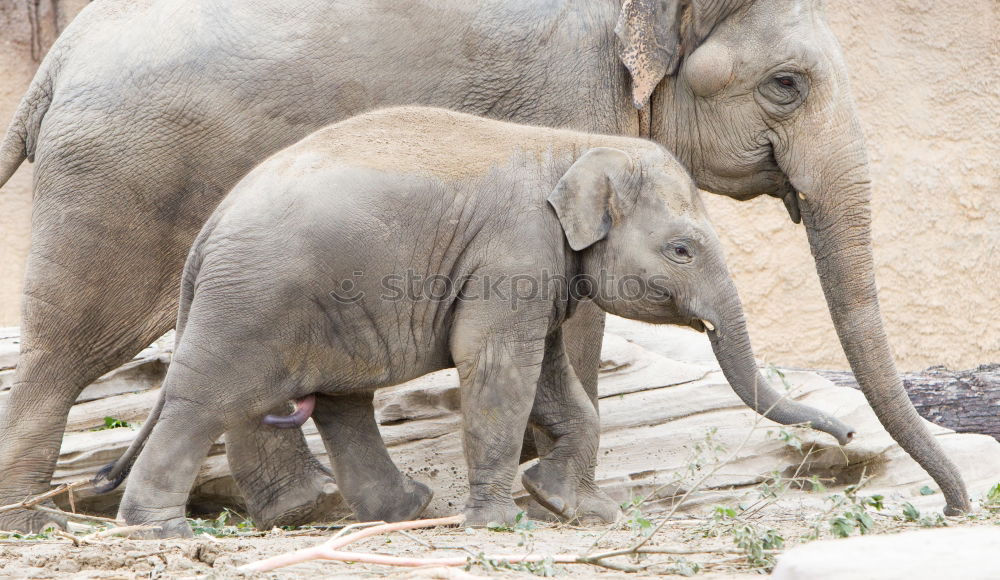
[144, 114]
[427, 194]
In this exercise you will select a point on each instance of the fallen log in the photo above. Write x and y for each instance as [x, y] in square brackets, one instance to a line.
[964, 401]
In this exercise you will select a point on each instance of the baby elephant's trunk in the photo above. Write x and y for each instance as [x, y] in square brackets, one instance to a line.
[303, 410]
[112, 475]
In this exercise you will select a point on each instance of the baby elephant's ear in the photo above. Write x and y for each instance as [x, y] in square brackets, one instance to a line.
[583, 197]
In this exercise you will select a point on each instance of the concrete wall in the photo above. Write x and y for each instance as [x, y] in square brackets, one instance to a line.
[926, 75]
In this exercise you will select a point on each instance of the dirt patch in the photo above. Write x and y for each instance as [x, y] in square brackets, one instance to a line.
[707, 544]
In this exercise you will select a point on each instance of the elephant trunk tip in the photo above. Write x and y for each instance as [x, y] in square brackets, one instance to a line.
[842, 432]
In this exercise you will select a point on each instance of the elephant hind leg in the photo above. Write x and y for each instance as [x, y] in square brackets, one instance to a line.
[370, 482]
[66, 344]
[157, 490]
[192, 418]
[280, 479]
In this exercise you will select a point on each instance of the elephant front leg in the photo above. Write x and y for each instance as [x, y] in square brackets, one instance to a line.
[498, 380]
[282, 482]
[562, 481]
[369, 481]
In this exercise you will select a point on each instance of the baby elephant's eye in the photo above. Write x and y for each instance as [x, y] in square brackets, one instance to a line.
[678, 252]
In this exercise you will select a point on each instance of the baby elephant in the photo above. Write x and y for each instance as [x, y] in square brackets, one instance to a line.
[409, 240]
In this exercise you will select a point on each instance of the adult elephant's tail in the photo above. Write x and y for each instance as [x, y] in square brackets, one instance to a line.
[22, 133]
[112, 475]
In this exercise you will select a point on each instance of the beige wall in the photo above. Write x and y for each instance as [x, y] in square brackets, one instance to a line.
[16, 70]
[926, 75]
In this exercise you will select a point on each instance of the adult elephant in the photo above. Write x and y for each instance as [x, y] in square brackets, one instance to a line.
[145, 113]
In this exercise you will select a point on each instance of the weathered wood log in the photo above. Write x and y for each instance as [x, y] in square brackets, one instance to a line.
[964, 401]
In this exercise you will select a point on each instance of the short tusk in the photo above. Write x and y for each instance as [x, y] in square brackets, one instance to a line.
[802, 196]
[708, 325]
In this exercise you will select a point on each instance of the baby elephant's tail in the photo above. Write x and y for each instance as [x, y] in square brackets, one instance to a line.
[113, 474]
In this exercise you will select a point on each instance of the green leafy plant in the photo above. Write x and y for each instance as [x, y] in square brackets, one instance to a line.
[707, 451]
[112, 423]
[634, 520]
[855, 515]
[755, 541]
[816, 485]
[221, 527]
[848, 513]
[788, 436]
[46, 534]
[685, 567]
[545, 567]
[522, 525]
[992, 499]
[912, 514]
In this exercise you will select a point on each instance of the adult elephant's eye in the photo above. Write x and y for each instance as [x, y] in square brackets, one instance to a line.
[678, 252]
[784, 90]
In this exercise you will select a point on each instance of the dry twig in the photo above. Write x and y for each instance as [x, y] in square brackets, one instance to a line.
[329, 549]
[34, 503]
[31, 502]
[118, 531]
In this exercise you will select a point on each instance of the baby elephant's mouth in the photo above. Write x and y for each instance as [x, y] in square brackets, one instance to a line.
[702, 325]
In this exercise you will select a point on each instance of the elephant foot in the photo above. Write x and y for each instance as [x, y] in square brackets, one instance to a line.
[586, 504]
[551, 490]
[313, 499]
[173, 528]
[161, 521]
[489, 514]
[29, 521]
[596, 507]
[404, 502]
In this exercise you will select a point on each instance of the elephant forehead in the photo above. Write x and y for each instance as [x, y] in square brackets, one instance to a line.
[678, 192]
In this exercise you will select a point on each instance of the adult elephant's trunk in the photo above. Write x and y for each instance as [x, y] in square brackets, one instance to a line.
[731, 345]
[834, 200]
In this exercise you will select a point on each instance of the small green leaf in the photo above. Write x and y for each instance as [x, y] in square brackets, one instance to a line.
[865, 522]
[910, 513]
[841, 526]
[816, 485]
[875, 501]
[112, 423]
[723, 512]
[993, 497]
[925, 490]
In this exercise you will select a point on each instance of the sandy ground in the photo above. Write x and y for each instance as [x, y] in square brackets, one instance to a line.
[709, 538]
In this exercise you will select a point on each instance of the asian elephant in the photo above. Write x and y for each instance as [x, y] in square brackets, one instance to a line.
[413, 239]
[144, 114]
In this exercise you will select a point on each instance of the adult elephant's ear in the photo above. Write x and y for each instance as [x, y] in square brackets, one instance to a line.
[650, 36]
[584, 197]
